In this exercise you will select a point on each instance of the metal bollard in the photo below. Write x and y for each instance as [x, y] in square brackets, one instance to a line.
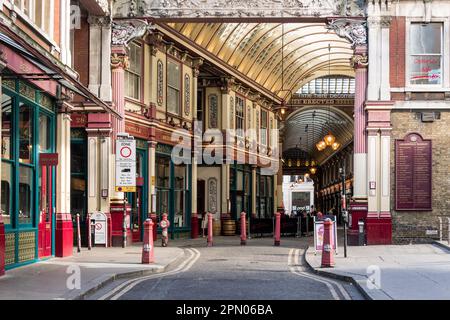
[277, 234]
[148, 248]
[89, 232]
[210, 230]
[243, 230]
[440, 228]
[124, 226]
[78, 234]
[327, 247]
[448, 239]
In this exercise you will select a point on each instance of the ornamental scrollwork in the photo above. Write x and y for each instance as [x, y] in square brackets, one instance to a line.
[352, 30]
[213, 111]
[359, 60]
[239, 8]
[187, 95]
[119, 61]
[123, 33]
[160, 83]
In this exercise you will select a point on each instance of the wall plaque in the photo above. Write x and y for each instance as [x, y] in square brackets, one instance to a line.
[413, 173]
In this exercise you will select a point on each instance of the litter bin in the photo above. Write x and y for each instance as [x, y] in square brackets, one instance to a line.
[361, 233]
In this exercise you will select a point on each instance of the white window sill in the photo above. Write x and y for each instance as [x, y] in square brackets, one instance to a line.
[421, 89]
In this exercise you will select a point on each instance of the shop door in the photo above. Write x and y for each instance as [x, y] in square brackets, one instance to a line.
[135, 199]
[45, 212]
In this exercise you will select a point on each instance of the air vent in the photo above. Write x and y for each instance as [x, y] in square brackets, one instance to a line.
[428, 116]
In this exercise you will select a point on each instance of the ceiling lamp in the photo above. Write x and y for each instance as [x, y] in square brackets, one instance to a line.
[289, 163]
[313, 170]
[321, 145]
[298, 163]
[329, 139]
[335, 145]
[306, 176]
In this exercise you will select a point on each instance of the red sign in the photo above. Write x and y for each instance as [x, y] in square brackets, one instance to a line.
[48, 159]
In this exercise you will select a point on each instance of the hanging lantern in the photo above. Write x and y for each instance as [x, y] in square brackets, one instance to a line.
[313, 170]
[313, 163]
[289, 163]
[298, 163]
[329, 139]
[335, 145]
[306, 163]
[321, 145]
[306, 176]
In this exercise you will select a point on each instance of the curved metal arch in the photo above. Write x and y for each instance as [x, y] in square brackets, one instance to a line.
[334, 72]
[276, 39]
[255, 42]
[337, 63]
[295, 50]
[224, 51]
[317, 67]
[267, 84]
[257, 25]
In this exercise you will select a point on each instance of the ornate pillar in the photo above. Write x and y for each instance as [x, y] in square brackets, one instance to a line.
[379, 222]
[64, 228]
[2, 226]
[254, 191]
[360, 62]
[119, 62]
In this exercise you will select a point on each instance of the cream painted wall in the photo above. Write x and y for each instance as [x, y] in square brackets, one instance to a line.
[204, 173]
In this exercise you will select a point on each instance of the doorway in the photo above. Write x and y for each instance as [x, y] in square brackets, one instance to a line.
[46, 188]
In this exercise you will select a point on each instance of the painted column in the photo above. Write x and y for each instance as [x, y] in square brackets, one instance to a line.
[2, 226]
[385, 86]
[359, 61]
[95, 51]
[379, 222]
[64, 228]
[119, 62]
[254, 191]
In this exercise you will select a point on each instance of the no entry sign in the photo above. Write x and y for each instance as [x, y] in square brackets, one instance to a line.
[126, 165]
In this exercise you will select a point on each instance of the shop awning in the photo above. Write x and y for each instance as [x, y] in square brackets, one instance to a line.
[50, 71]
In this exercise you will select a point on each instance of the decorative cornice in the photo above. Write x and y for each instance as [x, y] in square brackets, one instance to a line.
[352, 30]
[238, 8]
[101, 21]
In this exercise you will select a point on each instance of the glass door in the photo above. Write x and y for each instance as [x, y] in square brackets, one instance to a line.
[45, 211]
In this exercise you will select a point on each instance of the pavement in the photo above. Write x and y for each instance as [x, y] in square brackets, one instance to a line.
[392, 272]
[57, 278]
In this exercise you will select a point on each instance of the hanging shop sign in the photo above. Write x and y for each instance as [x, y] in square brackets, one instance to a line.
[125, 164]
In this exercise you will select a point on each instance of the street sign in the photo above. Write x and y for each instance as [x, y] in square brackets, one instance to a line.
[100, 226]
[126, 164]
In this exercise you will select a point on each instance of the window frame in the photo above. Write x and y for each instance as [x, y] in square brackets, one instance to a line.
[180, 88]
[444, 56]
[140, 75]
[239, 117]
[263, 127]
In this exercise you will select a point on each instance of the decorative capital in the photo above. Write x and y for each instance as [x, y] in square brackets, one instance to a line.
[227, 84]
[196, 64]
[386, 21]
[119, 61]
[124, 32]
[101, 21]
[359, 61]
[352, 30]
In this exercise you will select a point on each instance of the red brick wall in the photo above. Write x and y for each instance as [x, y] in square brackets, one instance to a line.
[397, 52]
[81, 51]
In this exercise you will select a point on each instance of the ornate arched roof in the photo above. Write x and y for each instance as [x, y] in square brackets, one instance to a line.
[258, 49]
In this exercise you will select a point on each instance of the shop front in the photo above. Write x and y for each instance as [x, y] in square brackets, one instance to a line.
[138, 200]
[28, 190]
[173, 192]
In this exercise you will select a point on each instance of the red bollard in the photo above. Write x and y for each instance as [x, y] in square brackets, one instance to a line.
[210, 230]
[78, 233]
[327, 246]
[147, 248]
[277, 233]
[89, 232]
[243, 230]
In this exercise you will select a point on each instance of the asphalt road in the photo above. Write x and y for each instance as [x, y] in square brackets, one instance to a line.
[257, 271]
